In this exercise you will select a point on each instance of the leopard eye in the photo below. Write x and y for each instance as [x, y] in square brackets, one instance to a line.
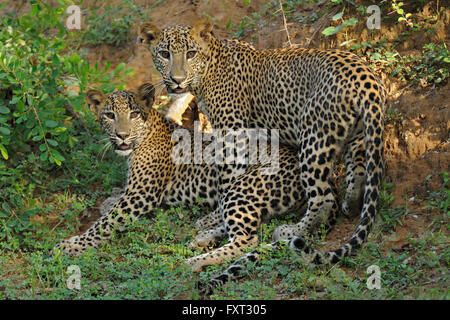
[110, 115]
[164, 54]
[134, 115]
[191, 54]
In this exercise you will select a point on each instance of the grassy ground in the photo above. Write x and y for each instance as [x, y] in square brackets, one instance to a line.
[146, 262]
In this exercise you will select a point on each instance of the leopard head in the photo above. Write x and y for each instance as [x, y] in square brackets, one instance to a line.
[180, 53]
[123, 115]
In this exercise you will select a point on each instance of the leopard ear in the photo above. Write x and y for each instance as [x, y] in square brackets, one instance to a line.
[203, 29]
[95, 99]
[147, 33]
[146, 93]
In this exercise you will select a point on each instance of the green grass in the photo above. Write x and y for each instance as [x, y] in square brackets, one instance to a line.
[146, 261]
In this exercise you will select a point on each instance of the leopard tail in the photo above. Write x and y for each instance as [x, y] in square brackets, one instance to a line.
[372, 116]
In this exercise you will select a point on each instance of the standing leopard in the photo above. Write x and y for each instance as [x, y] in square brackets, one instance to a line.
[138, 131]
[324, 103]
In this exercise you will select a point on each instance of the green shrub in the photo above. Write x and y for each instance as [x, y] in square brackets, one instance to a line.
[36, 108]
[430, 68]
[39, 114]
[112, 24]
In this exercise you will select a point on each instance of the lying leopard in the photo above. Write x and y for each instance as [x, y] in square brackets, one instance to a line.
[136, 130]
[324, 102]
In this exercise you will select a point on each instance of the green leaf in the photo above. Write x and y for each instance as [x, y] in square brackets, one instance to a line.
[129, 72]
[74, 59]
[60, 129]
[107, 66]
[6, 207]
[84, 68]
[338, 16]
[375, 56]
[51, 123]
[52, 142]
[21, 106]
[350, 22]
[120, 67]
[30, 100]
[44, 156]
[338, 28]
[38, 138]
[329, 31]
[14, 100]
[57, 157]
[4, 152]
[5, 131]
[34, 10]
[55, 60]
[4, 110]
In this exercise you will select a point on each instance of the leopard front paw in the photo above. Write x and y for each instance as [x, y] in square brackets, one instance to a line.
[195, 264]
[203, 241]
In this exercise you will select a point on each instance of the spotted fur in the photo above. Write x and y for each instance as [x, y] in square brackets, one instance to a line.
[324, 102]
[137, 130]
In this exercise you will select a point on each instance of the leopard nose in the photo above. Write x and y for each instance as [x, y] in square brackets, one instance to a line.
[178, 79]
[122, 135]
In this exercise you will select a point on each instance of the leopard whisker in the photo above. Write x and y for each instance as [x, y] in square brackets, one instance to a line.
[158, 82]
[102, 140]
[105, 148]
[158, 91]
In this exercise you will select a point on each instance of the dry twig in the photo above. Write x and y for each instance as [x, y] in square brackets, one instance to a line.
[285, 25]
